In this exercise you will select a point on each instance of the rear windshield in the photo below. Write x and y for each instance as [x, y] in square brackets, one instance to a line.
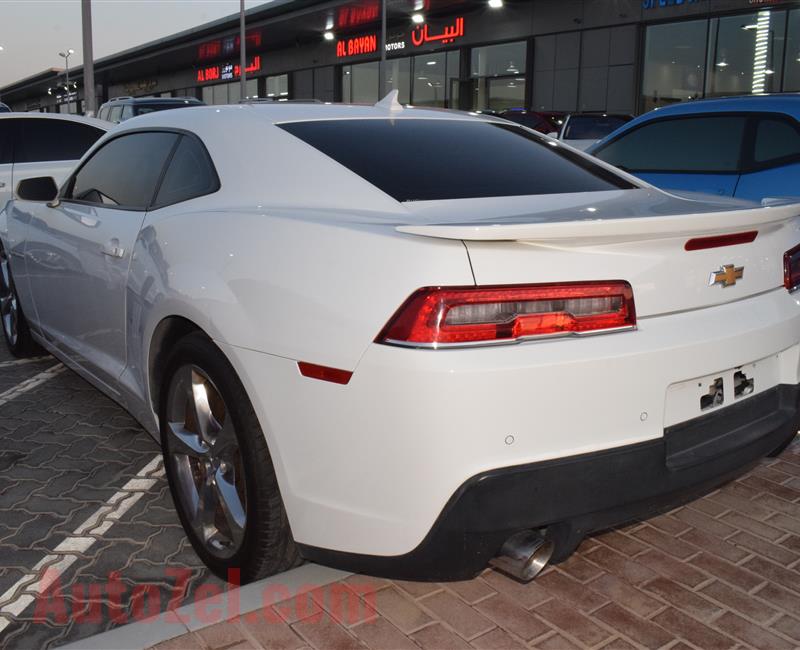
[592, 127]
[429, 160]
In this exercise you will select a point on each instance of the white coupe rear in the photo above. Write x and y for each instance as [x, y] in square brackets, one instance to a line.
[410, 342]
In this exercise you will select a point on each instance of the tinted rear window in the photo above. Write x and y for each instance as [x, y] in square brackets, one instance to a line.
[710, 144]
[777, 139]
[42, 139]
[592, 128]
[429, 160]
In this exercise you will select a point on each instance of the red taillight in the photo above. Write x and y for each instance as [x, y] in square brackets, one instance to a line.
[791, 268]
[448, 316]
[717, 241]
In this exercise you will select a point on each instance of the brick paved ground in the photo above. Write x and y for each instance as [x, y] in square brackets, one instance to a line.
[64, 450]
[722, 572]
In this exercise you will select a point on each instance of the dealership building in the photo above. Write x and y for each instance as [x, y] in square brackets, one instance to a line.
[552, 55]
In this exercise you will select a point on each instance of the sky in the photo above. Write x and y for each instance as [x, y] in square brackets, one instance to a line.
[33, 32]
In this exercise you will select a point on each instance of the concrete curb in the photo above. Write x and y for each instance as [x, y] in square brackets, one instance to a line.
[250, 598]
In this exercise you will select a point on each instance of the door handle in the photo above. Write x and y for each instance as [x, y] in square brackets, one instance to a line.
[113, 249]
[2, 184]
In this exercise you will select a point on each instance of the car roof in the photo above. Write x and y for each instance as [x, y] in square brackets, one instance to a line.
[100, 124]
[787, 103]
[780, 103]
[246, 146]
[600, 114]
[153, 100]
[204, 117]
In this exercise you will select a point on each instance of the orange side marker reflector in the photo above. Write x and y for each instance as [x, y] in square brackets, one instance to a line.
[335, 375]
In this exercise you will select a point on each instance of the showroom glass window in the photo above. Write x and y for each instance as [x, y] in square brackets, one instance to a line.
[70, 108]
[124, 172]
[745, 53]
[360, 83]
[674, 63]
[398, 77]
[277, 86]
[436, 79]
[498, 76]
[791, 72]
[422, 80]
[228, 93]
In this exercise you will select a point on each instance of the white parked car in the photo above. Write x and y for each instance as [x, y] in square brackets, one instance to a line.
[582, 130]
[42, 144]
[406, 342]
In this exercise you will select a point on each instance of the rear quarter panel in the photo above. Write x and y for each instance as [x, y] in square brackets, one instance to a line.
[296, 288]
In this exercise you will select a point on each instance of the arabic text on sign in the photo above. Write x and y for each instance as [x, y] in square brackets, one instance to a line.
[421, 35]
[227, 70]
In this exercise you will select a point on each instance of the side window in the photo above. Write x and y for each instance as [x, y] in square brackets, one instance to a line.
[696, 144]
[775, 140]
[127, 112]
[6, 141]
[190, 174]
[102, 113]
[41, 140]
[115, 114]
[124, 172]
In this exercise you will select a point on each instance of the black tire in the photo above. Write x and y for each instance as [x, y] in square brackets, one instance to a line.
[16, 331]
[267, 546]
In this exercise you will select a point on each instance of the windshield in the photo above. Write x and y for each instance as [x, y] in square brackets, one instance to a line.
[435, 159]
[592, 127]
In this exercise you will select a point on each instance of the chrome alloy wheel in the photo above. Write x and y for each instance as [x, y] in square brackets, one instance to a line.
[9, 309]
[206, 460]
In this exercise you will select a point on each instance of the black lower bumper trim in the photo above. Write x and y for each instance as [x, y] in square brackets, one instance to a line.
[578, 495]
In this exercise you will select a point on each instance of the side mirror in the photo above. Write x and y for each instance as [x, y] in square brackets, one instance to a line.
[43, 188]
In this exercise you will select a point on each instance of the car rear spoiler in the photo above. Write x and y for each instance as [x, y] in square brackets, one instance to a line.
[599, 230]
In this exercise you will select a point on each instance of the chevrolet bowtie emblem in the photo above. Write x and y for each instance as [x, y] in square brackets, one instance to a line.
[726, 276]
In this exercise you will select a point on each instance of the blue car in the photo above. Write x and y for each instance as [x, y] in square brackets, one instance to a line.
[743, 147]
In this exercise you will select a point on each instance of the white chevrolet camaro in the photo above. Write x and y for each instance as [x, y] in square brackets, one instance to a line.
[407, 342]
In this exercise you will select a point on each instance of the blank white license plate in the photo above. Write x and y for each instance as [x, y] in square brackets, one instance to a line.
[695, 397]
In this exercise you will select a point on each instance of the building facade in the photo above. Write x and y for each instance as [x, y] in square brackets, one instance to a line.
[624, 56]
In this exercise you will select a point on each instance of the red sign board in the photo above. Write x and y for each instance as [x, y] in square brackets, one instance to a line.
[226, 71]
[420, 35]
[357, 45]
[354, 15]
[227, 46]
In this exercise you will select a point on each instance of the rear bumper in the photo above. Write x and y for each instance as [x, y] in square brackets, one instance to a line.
[368, 468]
[578, 495]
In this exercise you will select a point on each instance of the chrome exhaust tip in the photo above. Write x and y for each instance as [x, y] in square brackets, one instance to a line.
[524, 555]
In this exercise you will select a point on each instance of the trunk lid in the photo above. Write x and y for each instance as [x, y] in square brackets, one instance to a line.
[635, 235]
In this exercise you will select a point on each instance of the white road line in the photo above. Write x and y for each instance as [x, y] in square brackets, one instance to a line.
[30, 384]
[20, 362]
[50, 568]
